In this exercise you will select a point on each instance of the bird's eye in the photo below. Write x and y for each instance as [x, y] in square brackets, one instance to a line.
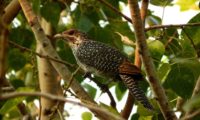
[71, 32]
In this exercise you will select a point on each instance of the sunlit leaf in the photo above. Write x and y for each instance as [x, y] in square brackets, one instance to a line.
[90, 89]
[163, 71]
[120, 90]
[161, 2]
[86, 116]
[187, 4]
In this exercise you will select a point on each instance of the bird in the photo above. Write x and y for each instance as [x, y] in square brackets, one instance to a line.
[106, 61]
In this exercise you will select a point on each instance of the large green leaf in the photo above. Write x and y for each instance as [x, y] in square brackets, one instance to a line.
[16, 59]
[21, 36]
[10, 105]
[163, 71]
[192, 33]
[51, 12]
[193, 103]
[182, 77]
[84, 24]
[157, 49]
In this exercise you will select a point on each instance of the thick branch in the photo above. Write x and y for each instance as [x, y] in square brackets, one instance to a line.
[130, 100]
[149, 66]
[11, 12]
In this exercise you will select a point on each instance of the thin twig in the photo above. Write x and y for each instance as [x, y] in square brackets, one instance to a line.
[115, 10]
[190, 116]
[172, 26]
[40, 55]
[171, 38]
[61, 99]
[71, 79]
[104, 88]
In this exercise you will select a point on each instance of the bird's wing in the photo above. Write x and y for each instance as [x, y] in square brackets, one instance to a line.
[129, 68]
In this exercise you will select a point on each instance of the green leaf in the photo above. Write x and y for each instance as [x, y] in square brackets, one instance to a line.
[86, 116]
[51, 12]
[163, 71]
[142, 111]
[10, 105]
[170, 39]
[65, 52]
[109, 108]
[121, 27]
[84, 24]
[153, 20]
[135, 116]
[120, 90]
[16, 59]
[21, 36]
[156, 48]
[160, 2]
[16, 83]
[192, 33]
[183, 74]
[25, 89]
[36, 5]
[90, 89]
[110, 13]
[187, 4]
[193, 103]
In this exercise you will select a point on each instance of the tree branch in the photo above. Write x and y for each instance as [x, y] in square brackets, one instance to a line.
[172, 26]
[130, 100]
[11, 12]
[191, 115]
[148, 63]
[87, 104]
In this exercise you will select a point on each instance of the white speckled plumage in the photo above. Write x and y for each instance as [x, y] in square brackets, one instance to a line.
[101, 59]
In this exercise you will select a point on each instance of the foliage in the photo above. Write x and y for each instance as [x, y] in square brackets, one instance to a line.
[175, 52]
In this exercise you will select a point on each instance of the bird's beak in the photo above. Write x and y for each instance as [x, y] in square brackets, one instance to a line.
[65, 37]
[57, 36]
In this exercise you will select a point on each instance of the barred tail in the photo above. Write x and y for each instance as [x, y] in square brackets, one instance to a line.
[134, 89]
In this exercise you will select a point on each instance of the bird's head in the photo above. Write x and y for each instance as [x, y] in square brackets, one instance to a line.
[73, 37]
